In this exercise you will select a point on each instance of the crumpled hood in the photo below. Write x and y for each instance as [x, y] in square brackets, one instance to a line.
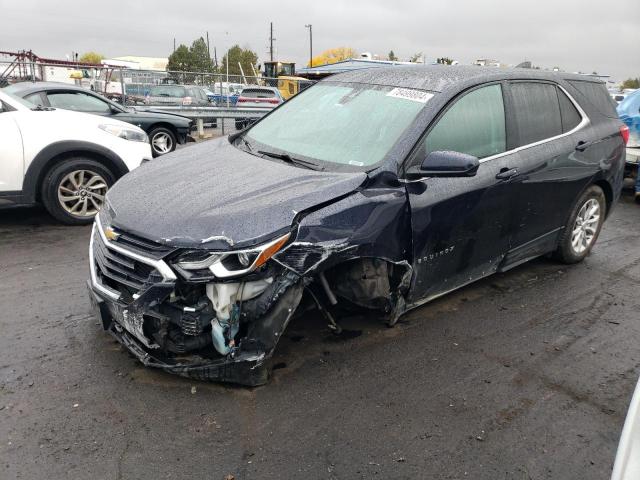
[213, 195]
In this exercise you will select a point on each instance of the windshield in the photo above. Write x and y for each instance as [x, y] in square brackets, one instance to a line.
[344, 124]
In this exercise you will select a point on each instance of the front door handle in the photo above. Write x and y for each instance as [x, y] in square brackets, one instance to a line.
[506, 174]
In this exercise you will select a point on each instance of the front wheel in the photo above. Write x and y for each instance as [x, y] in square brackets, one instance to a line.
[162, 141]
[73, 191]
[583, 227]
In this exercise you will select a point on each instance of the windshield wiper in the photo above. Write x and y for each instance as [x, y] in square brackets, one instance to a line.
[289, 159]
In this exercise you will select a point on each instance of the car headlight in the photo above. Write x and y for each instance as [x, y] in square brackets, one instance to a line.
[135, 135]
[204, 265]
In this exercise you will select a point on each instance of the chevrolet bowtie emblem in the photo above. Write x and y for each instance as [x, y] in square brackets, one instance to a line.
[111, 234]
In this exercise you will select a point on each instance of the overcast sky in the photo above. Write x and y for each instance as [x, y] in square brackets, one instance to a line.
[583, 35]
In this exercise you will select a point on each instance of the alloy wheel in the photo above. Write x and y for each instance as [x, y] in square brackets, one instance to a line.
[81, 193]
[585, 226]
[162, 143]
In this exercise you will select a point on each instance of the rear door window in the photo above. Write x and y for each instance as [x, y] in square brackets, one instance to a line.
[536, 110]
[569, 114]
[474, 124]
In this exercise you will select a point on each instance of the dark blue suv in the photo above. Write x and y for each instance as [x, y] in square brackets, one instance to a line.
[379, 189]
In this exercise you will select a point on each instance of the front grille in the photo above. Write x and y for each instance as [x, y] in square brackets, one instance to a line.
[141, 245]
[120, 272]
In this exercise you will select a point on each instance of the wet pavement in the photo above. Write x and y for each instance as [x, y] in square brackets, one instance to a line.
[523, 375]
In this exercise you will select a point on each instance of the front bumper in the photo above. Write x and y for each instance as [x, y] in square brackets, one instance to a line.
[141, 325]
[246, 368]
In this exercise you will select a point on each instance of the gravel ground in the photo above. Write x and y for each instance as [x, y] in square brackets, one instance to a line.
[524, 375]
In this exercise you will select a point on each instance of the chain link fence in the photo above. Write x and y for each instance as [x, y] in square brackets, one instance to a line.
[139, 87]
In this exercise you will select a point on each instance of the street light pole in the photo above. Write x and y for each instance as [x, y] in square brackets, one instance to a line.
[310, 44]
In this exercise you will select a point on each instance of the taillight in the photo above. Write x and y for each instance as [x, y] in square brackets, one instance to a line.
[242, 100]
[624, 131]
[187, 101]
[273, 100]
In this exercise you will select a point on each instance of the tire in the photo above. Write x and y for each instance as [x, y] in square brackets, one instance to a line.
[162, 141]
[240, 124]
[582, 229]
[83, 183]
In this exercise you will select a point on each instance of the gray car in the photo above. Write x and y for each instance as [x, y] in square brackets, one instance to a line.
[178, 95]
[257, 97]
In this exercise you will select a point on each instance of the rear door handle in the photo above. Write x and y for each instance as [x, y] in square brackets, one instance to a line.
[582, 145]
[506, 174]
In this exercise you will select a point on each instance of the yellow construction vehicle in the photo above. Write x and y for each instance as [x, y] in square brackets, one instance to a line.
[288, 84]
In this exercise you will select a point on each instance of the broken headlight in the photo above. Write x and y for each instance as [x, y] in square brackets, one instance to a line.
[202, 265]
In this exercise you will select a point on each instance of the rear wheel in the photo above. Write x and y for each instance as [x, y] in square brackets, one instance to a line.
[583, 227]
[73, 191]
[162, 141]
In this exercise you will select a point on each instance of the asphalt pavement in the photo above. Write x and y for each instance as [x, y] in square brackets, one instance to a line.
[524, 375]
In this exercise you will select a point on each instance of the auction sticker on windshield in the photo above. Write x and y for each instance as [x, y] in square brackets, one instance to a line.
[410, 94]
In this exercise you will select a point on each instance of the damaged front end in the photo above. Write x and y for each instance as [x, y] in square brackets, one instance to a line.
[216, 310]
[199, 314]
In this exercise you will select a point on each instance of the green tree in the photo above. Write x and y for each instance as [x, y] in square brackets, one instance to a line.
[444, 61]
[415, 57]
[180, 60]
[630, 83]
[392, 56]
[91, 57]
[200, 58]
[238, 55]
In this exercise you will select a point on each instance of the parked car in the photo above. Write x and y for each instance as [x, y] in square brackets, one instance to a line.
[629, 112]
[64, 160]
[180, 95]
[627, 462]
[375, 190]
[260, 97]
[165, 130]
[230, 93]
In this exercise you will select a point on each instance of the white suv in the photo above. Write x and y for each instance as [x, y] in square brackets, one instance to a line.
[65, 160]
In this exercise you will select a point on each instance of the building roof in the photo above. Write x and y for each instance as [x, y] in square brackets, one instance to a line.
[437, 78]
[140, 63]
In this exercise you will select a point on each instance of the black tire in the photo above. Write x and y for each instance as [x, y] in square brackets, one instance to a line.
[58, 175]
[240, 124]
[566, 252]
[167, 135]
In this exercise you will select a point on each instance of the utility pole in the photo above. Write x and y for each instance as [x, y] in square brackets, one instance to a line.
[310, 45]
[174, 44]
[271, 41]
[208, 51]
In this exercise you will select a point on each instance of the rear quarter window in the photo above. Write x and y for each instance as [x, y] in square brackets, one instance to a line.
[597, 95]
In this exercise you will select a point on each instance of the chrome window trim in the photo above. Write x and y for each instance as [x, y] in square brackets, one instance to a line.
[159, 265]
[583, 123]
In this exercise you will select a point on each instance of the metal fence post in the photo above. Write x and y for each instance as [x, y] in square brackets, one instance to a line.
[123, 96]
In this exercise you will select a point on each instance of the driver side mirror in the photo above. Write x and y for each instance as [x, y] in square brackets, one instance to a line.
[446, 164]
